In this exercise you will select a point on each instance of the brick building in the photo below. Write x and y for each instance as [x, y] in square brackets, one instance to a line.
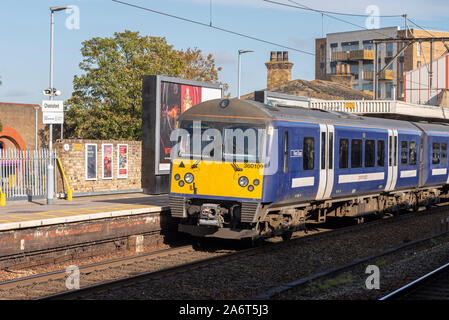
[354, 51]
[19, 125]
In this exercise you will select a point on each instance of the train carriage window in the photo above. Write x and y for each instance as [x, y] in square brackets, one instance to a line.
[395, 151]
[356, 153]
[286, 152]
[413, 153]
[370, 151]
[435, 153]
[443, 153]
[343, 153]
[380, 153]
[390, 154]
[404, 153]
[308, 160]
[331, 150]
[323, 150]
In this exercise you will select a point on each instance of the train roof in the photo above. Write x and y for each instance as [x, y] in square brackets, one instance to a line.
[248, 111]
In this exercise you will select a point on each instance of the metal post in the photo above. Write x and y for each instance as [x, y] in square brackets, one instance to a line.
[238, 80]
[431, 67]
[36, 126]
[375, 79]
[50, 164]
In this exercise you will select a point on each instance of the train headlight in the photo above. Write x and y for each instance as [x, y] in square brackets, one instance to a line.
[177, 177]
[256, 182]
[250, 187]
[181, 183]
[243, 181]
[188, 177]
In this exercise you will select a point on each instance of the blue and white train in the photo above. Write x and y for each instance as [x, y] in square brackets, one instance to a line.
[313, 164]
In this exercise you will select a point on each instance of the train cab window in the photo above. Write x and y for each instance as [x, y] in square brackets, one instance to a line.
[370, 151]
[308, 160]
[435, 153]
[285, 152]
[343, 153]
[413, 153]
[356, 153]
[380, 153]
[404, 153]
[443, 153]
[331, 150]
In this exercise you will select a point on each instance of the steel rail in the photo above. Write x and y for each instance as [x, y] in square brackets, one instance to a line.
[414, 284]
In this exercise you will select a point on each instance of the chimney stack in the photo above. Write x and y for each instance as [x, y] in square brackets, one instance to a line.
[279, 69]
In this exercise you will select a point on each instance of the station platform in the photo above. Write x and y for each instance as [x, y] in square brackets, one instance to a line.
[24, 214]
[35, 226]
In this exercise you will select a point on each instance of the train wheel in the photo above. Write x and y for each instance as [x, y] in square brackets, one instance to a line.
[414, 205]
[287, 235]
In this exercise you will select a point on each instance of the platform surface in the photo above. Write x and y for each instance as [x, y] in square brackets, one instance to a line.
[24, 214]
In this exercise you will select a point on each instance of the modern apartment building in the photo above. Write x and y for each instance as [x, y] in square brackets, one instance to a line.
[353, 53]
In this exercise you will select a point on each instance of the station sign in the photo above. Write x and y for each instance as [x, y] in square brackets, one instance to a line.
[53, 117]
[53, 111]
[52, 106]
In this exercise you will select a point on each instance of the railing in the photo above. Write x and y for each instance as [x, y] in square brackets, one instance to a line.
[23, 173]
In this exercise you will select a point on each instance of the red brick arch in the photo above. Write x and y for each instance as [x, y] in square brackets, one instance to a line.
[12, 135]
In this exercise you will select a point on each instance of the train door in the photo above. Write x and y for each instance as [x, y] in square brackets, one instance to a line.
[326, 175]
[392, 159]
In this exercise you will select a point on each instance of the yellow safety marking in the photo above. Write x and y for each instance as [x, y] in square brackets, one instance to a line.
[45, 215]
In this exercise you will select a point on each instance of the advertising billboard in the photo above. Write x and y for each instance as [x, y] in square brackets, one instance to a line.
[163, 101]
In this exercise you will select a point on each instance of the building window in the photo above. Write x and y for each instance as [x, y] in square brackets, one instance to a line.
[343, 153]
[389, 47]
[418, 49]
[418, 64]
[413, 153]
[388, 90]
[370, 151]
[309, 153]
[404, 153]
[380, 153]
[435, 153]
[356, 153]
[368, 86]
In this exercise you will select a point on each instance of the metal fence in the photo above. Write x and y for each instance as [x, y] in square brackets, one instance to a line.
[23, 173]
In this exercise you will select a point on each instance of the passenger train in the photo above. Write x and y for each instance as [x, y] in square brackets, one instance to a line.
[308, 164]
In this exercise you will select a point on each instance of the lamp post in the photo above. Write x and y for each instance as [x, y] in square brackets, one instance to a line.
[238, 80]
[50, 168]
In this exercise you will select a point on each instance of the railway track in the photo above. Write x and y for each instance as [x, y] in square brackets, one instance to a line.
[50, 283]
[106, 290]
[432, 286]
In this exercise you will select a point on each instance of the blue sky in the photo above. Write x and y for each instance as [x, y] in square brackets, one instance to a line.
[25, 35]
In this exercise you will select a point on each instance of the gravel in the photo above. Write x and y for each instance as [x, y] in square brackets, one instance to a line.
[245, 277]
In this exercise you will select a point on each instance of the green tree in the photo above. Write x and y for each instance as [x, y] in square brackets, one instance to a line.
[107, 98]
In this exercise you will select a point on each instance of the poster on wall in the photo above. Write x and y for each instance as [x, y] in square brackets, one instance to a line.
[106, 155]
[91, 162]
[122, 156]
[176, 98]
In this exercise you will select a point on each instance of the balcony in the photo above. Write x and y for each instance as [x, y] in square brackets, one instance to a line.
[385, 75]
[355, 55]
[340, 56]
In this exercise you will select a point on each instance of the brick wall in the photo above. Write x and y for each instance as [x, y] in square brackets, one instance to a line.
[21, 119]
[74, 164]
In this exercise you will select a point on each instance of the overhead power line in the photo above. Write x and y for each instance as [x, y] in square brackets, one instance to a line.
[347, 14]
[304, 7]
[213, 27]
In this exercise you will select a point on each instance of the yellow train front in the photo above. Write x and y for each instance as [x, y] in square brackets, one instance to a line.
[218, 195]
